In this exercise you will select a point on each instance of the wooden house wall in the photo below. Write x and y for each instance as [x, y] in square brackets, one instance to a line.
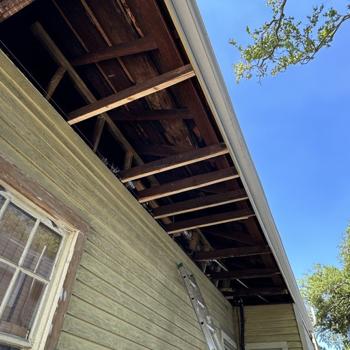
[272, 323]
[128, 293]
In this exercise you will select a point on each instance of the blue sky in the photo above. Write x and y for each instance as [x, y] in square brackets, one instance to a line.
[297, 127]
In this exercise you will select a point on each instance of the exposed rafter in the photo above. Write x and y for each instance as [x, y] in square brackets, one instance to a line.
[229, 235]
[160, 150]
[251, 292]
[243, 274]
[173, 162]
[157, 114]
[187, 184]
[232, 253]
[200, 203]
[132, 93]
[125, 49]
[209, 220]
[54, 82]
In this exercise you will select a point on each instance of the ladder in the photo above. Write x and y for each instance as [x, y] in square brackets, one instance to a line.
[211, 333]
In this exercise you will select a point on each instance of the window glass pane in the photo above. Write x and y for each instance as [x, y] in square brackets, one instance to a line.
[15, 227]
[6, 273]
[2, 200]
[22, 306]
[7, 347]
[42, 252]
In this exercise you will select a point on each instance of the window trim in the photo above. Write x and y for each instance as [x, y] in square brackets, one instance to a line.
[47, 306]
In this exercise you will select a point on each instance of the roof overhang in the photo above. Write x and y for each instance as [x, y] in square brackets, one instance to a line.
[189, 24]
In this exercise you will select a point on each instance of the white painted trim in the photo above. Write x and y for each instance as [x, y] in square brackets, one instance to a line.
[274, 345]
[42, 323]
[188, 22]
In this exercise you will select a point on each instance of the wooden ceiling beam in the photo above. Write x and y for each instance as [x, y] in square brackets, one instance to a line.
[132, 93]
[9, 8]
[252, 292]
[236, 236]
[133, 47]
[209, 220]
[187, 184]
[153, 115]
[161, 150]
[232, 253]
[244, 274]
[200, 203]
[173, 162]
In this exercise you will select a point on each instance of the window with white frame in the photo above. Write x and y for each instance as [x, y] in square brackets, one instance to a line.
[33, 262]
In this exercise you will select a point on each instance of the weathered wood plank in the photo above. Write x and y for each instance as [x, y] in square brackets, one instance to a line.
[9, 8]
[232, 253]
[248, 292]
[156, 114]
[173, 162]
[133, 47]
[100, 123]
[160, 150]
[199, 203]
[54, 82]
[210, 220]
[243, 274]
[232, 235]
[133, 93]
[187, 184]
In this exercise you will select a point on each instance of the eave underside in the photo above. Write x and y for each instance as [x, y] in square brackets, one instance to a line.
[116, 71]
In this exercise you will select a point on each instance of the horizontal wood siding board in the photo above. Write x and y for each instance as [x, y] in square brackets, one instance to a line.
[173, 162]
[199, 203]
[40, 143]
[133, 93]
[187, 184]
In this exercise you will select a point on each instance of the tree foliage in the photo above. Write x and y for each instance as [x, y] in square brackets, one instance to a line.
[327, 290]
[285, 41]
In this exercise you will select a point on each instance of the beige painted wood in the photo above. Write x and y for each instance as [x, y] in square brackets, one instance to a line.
[272, 323]
[129, 261]
[132, 93]
[173, 162]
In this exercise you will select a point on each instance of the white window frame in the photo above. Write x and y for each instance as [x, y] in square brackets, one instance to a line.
[261, 346]
[49, 300]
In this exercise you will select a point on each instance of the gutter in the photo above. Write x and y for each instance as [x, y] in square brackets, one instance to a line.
[189, 24]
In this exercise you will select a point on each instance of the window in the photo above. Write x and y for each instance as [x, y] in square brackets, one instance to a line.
[34, 256]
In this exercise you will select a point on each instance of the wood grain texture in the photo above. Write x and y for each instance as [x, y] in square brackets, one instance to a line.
[243, 274]
[173, 162]
[187, 184]
[209, 220]
[199, 203]
[132, 93]
[125, 49]
[232, 253]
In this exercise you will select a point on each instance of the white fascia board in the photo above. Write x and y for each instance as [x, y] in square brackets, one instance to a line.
[189, 24]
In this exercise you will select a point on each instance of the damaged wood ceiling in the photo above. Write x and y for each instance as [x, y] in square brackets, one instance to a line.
[118, 74]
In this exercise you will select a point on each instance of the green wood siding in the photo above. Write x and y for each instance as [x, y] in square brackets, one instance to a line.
[128, 294]
[272, 323]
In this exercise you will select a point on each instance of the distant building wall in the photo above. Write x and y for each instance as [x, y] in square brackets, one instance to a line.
[272, 323]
